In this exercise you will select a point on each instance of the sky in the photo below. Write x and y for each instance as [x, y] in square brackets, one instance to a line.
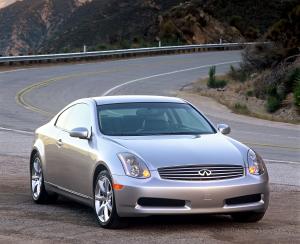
[4, 3]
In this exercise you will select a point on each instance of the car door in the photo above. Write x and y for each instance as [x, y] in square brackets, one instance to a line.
[53, 150]
[74, 154]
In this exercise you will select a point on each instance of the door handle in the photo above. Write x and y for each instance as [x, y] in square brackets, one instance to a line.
[59, 142]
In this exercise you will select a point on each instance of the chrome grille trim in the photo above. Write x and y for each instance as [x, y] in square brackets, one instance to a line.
[191, 173]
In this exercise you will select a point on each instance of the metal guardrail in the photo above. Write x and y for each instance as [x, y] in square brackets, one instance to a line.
[124, 52]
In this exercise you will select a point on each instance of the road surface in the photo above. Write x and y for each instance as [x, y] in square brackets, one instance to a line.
[29, 97]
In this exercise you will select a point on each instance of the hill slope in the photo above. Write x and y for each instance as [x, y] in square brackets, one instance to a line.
[33, 26]
[25, 25]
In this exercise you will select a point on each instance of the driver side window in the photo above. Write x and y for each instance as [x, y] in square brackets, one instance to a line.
[74, 117]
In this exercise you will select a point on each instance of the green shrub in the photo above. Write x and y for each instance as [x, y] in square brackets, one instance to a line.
[297, 93]
[236, 21]
[238, 74]
[212, 82]
[241, 108]
[292, 79]
[252, 33]
[250, 93]
[273, 103]
[168, 30]
[211, 77]
[220, 83]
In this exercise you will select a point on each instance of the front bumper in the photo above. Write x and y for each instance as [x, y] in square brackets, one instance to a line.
[200, 197]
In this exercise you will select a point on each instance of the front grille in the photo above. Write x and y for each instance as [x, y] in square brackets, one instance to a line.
[197, 172]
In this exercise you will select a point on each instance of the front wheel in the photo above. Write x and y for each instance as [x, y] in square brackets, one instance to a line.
[38, 191]
[248, 217]
[104, 202]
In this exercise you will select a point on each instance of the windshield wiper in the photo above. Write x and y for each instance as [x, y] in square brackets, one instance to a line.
[182, 133]
[161, 133]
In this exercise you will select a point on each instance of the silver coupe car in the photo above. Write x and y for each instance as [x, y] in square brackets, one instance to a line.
[131, 156]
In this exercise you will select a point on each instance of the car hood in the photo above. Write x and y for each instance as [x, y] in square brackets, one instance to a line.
[164, 151]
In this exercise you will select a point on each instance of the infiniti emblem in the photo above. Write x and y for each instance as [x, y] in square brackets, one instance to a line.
[204, 172]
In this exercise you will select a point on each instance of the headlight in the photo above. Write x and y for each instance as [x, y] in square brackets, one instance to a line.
[134, 166]
[255, 163]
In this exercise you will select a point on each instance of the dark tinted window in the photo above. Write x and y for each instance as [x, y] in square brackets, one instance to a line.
[74, 117]
[137, 119]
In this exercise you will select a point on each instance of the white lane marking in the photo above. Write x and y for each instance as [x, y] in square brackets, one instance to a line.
[164, 74]
[18, 131]
[281, 161]
[259, 133]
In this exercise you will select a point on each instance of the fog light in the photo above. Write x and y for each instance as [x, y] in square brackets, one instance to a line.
[146, 173]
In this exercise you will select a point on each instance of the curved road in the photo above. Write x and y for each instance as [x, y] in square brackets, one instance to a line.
[29, 97]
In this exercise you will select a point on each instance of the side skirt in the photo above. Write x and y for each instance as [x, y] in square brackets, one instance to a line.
[78, 197]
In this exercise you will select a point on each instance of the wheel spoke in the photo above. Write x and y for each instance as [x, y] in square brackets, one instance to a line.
[106, 216]
[101, 186]
[106, 183]
[36, 165]
[109, 194]
[35, 177]
[100, 198]
[38, 188]
[34, 185]
[109, 206]
[101, 210]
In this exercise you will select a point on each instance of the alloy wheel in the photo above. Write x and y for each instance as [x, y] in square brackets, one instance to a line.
[104, 199]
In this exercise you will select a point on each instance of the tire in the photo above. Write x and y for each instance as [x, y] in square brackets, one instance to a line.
[104, 202]
[248, 217]
[38, 191]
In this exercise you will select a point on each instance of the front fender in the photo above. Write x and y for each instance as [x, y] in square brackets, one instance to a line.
[39, 147]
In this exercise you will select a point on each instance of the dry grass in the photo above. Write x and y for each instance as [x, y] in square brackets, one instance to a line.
[236, 97]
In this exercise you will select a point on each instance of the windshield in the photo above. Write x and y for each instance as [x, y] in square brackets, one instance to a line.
[141, 119]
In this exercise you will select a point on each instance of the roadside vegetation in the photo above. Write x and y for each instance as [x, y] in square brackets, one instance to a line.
[266, 84]
[212, 81]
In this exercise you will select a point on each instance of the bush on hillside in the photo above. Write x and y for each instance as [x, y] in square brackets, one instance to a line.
[273, 104]
[212, 82]
[297, 94]
[238, 74]
[260, 57]
[292, 78]
[286, 31]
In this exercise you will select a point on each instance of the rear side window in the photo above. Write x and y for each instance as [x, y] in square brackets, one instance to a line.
[74, 117]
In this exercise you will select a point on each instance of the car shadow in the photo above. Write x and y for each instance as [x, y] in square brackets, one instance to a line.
[86, 215]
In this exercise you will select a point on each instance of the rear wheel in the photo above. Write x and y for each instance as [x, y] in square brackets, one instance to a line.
[247, 217]
[38, 191]
[104, 202]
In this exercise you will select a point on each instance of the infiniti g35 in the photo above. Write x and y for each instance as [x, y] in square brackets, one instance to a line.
[129, 156]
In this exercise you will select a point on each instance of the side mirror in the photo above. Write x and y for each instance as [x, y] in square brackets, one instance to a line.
[81, 133]
[224, 129]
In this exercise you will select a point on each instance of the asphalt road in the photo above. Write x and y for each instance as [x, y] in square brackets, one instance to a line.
[29, 97]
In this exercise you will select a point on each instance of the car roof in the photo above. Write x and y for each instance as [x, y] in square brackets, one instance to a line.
[135, 99]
